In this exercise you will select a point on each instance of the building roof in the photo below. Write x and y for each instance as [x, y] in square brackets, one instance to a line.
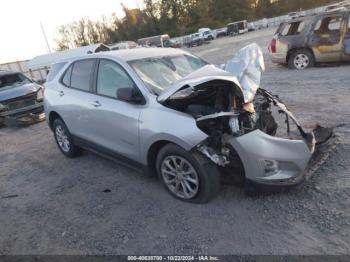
[47, 60]
[6, 72]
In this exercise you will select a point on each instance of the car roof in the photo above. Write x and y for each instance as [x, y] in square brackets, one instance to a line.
[327, 13]
[132, 54]
[142, 53]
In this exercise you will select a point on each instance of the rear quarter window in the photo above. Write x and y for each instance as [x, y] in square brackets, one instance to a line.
[293, 28]
[55, 68]
[67, 75]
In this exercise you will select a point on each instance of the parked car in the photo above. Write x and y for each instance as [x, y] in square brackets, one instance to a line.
[251, 27]
[206, 34]
[171, 43]
[221, 32]
[171, 113]
[21, 99]
[316, 39]
[123, 45]
[194, 40]
[155, 41]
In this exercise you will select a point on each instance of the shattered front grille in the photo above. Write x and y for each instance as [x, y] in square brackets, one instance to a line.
[20, 102]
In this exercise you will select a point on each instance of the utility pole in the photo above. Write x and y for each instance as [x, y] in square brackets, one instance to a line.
[47, 42]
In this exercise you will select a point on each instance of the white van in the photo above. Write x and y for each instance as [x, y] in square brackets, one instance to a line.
[206, 34]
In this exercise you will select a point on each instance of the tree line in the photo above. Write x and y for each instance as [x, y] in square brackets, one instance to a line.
[173, 17]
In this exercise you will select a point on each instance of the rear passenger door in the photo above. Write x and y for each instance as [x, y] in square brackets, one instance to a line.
[114, 124]
[326, 38]
[74, 96]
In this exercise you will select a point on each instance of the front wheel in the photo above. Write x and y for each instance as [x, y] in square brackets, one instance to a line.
[301, 59]
[190, 177]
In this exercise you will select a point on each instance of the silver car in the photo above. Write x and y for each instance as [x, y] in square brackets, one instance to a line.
[173, 114]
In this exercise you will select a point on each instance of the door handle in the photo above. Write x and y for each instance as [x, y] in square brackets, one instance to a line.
[96, 104]
[61, 93]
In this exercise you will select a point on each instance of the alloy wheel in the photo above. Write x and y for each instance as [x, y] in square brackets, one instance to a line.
[180, 177]
[62, 138]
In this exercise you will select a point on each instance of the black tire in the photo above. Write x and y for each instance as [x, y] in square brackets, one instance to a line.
[304, 53]
[73, 150]
[207, 172]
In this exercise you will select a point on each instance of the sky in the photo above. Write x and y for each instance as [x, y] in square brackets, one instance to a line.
[21, 35]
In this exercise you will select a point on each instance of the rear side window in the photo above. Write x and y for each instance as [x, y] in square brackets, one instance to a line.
[328, 25]
[81, 74]
[293, 28]
[55, 68]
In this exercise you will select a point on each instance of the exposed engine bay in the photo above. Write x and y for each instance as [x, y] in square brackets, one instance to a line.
[220, 111]
[244, 122]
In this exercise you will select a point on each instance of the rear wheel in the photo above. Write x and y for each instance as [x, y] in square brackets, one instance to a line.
[301, 59]
[64, 139]
[190, 177]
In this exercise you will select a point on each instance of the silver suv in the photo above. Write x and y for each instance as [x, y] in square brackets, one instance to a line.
[172, 113]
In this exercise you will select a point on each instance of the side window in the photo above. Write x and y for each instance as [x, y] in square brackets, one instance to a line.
[301, 27]
[293, 28]
[328, 25]
[327, 29]
[81, 74]
[286, 29]
[67, 75]
[335, 24]
[111, 77]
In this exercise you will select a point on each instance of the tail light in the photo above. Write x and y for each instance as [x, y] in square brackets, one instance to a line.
[273, 45]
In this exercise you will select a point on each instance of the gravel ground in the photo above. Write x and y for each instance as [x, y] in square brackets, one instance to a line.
[53, 205]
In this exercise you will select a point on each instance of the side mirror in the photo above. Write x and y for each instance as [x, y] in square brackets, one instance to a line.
[130, 94]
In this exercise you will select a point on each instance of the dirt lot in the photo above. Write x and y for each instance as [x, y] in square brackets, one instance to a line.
[53, 205]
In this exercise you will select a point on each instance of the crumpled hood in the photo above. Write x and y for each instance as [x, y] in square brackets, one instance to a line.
[202, 75]
[18, 91]
[244, 70]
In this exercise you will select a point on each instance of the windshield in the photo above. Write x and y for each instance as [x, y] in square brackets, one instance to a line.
[158, 73]
[13, 80]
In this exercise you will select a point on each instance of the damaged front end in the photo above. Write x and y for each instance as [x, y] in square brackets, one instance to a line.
[239, 119]
[22, 108]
